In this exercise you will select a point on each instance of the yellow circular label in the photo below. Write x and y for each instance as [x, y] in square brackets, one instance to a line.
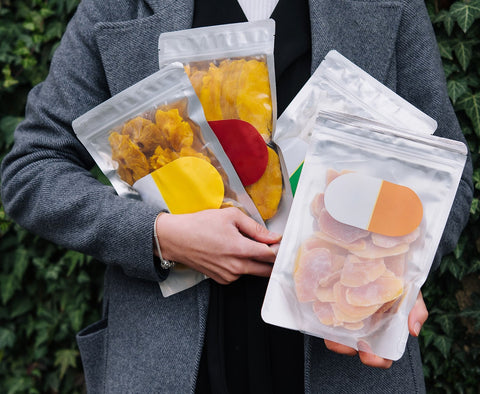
[189, 184]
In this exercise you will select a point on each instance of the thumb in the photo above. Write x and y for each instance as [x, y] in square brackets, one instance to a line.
[256, 231]
[418, 315]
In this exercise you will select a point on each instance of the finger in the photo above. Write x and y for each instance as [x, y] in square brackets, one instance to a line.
[373, 360]
[257, 269]
[254, 230]
[260, 252]
[367, 357]
[417, 316]
[339, 348]
[275, 248]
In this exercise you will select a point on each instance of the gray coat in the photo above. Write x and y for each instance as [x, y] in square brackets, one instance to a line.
[147, 343]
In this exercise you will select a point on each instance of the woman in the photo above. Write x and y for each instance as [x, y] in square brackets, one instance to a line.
[208, 338]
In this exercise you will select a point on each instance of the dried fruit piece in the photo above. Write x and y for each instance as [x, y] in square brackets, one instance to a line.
[162, 157]
[386, 241]
[346, 312]
[309, 269]
[267, 191]
[177, 130]
[145, 134]
[324, 312]
[359, 272]
[132, 163]
[254, 102]
[210, 93]
[384, 289]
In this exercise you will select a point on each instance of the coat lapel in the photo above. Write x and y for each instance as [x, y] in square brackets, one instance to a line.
[363, 31]
[129, 49]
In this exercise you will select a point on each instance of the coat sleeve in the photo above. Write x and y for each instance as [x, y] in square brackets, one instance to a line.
[46, 184]
[421, 80]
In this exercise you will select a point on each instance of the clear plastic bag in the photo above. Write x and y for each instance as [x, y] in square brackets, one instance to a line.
[369, 211]
[153, 143]
[231, 69]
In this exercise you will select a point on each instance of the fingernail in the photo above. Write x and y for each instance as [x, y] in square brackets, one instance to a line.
[417, 328]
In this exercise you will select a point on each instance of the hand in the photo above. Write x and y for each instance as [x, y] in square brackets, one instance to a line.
[220, 243]
[417, 316]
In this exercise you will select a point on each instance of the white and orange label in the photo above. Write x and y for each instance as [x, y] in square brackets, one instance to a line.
[373, 204]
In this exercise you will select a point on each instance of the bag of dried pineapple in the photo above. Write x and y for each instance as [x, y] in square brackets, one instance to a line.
[340, 86]
[153, 143]
[231, 69]
[365, 223]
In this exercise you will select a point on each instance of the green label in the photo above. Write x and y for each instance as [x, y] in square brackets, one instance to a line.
[295, 177]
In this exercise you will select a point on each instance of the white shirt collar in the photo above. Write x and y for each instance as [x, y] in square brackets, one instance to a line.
[256, 10]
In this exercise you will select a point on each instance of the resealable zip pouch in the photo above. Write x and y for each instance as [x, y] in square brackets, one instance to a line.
[340, 86]
[366, 220]
[232, 71]
[153, 143]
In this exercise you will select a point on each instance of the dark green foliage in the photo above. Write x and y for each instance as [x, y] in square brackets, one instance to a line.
[47, 293]
[450, 339]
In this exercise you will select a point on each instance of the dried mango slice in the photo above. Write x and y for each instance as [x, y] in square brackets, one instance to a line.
[254, 101]
[132, 163]
[310, 268]
[189, 151]
[324, 312]
[210, 93]
[267, 191]
[145, 134]
[177, 130]
[162, 157]
[196, 77]
[346, 312]
[230, 86]
[384, 289]
[133, 128]
[358, 272]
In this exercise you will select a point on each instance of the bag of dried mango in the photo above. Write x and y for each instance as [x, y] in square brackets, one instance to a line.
[153, 143]
[370, 208]
[231, 69]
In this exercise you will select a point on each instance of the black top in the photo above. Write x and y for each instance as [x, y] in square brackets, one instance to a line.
[242, 354]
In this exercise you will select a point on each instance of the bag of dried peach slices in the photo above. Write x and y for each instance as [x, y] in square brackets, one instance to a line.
[231, 69]
[366, 220]
[153, 143]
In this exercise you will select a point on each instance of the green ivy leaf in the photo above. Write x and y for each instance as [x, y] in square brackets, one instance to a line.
[449, 68]
[457, 270]
[463, 52]
[7, 127]
[7, 338]
[471, 105]
[456, 89]
[21, 306]
[465, 13]
[64, 359]
[443, 343]
[427, 335]
[446, 49]
[9, 285]
[21, 263]
[446, 322]
[446, 18]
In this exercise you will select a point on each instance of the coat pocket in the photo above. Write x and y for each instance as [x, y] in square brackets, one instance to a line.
[92, 342]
